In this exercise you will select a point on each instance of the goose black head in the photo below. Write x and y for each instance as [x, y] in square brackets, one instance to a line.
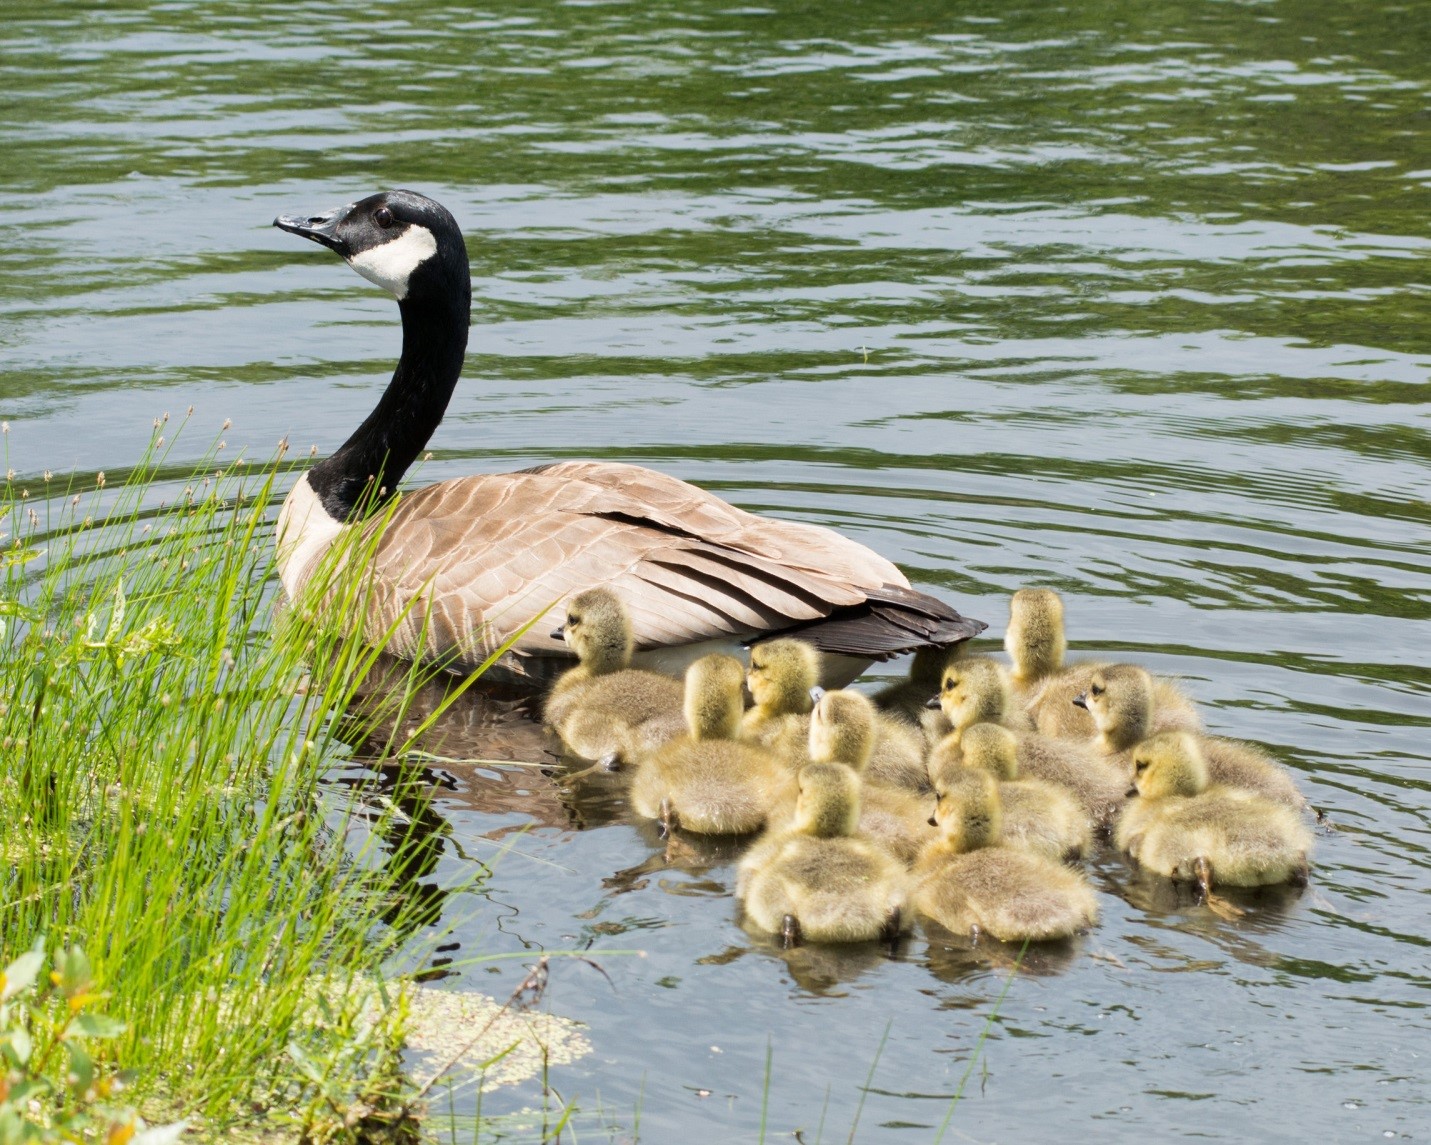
[408, 244]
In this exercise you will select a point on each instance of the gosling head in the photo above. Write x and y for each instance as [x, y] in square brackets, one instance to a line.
[1035, 639]
[967, 810]
[598, 630]
[973, 692]
[408, 244]
[993, 749]
[713, 700]
[842, 729]
[1120, 700]
[828, 804]
[782, 672]
[1169, 764]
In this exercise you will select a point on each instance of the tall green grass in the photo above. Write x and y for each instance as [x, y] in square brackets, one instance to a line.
[161, 739]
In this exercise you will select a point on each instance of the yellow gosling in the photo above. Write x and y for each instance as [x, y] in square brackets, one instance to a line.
[843, 727]
[819, 880]
[969, 881]
[1184, 827]
[705, 781]
[1038, 816]
[781, 675]
[1119, 698]
[598, 706]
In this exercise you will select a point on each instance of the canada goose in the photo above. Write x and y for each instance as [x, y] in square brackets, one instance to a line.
[1045, 685]
[974, 691]
[842, 730]
[1184, 828]
[1119, 698]
[705, 781]
[781, 677]
[969, 881]
[819, 880]
[600, 706]
[462, 565]
[1038, 816]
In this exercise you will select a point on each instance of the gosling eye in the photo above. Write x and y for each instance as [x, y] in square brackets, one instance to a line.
[1096, 690]
[572, 619]
[1141, 766]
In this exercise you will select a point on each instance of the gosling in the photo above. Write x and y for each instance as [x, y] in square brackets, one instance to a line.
[1120, 700]
[819, 880]
[843, 727]
[600, 706]
[905, 700]
[1185, 828]
[974, 691]
[704, 781]
[781, 678]
[970, 882]
[1038, 816]
[1045, 685]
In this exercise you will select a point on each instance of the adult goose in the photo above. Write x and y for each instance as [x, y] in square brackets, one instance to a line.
[473, 559]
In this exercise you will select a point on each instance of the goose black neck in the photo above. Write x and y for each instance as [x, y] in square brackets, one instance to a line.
[365, 470]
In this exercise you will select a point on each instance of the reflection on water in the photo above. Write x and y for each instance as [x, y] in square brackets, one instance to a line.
[1124, 299]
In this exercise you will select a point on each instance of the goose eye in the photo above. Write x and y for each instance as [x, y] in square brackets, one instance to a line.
[573, 619]
[1141, 766]
[1097, 689]
[383, 217]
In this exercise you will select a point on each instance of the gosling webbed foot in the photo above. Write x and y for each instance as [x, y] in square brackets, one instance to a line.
[668, 818]
[790, 932]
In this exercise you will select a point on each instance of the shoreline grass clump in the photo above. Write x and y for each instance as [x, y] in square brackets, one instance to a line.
[161, 739]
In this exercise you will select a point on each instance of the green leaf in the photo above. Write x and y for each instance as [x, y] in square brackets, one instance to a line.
[81, 1067]
[97, 1026]
[21, 974]
[20, 1047]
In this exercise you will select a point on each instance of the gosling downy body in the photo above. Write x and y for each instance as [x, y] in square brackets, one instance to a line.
[1041, 817]
[705, 781]
[1045, 685]
[974, 691]
[1181, 826]
[603, 709]
[969, 882]
[460, 567]
[819, 880]
[1119, 698]
[842, 730]
[907, 699]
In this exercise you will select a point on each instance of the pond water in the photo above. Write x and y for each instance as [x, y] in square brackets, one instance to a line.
[1127, 299]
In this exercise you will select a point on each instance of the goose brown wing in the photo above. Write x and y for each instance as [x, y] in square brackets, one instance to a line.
[485, 554]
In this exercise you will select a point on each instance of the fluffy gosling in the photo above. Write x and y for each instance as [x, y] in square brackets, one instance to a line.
[598, 708]
[1184, 827]
[970, 882]
[705, 781]
[818, 880]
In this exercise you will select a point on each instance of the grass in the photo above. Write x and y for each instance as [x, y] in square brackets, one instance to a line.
[161, 739]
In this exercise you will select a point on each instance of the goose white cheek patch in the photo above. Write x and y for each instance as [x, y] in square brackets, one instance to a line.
[392, 264]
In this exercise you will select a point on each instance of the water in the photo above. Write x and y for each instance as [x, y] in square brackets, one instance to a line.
[1129, 301]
